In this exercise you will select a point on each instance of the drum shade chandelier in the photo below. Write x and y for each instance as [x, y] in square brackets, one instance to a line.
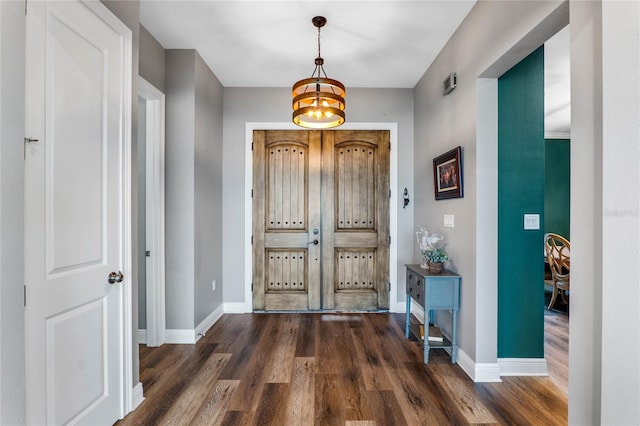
[318, 101]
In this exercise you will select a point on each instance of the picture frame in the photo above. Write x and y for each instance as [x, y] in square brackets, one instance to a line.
[447, 174]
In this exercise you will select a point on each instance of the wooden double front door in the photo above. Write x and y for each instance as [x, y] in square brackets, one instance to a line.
[320, 220]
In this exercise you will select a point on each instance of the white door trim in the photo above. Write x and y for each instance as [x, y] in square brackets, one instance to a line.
[393, 206]
[155, 220]
[126, 233]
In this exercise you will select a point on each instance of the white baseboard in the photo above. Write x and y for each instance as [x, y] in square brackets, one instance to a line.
[206, 324]
[401, 308]
[137, 396]
[142, 337]
[237, 308]
[478, 372]
[466, 363]
[188, 336]
[180, 336]
[417, 311]
[523, 366]
[487, 372]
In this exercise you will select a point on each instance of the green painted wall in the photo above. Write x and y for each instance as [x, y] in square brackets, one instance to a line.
[557, 185]
[521, 190]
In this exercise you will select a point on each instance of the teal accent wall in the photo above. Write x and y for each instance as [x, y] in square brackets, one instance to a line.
[557, 185]
[521, 190]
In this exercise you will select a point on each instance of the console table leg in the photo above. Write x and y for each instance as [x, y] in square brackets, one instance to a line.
[425, 349]
[408, 320]
[454, 336]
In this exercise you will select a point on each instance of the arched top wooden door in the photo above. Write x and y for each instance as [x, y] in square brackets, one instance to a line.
[286, 210]
[355, 180]
[321, 220]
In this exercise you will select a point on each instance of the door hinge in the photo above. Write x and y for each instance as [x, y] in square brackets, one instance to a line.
[252, 193]
[252, 240]
[389, 239]
[251, 286]
[389, 286]
[25, 295]
[26, 141]
[251, 146]
[389, 193]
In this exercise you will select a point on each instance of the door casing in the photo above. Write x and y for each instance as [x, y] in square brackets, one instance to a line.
[155, 221]
[393, 206]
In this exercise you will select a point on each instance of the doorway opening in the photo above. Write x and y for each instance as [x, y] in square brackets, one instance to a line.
[151, 162]
[557, 189]
[392, 247]
[321, 220]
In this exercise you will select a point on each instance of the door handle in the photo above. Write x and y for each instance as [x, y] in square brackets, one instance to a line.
[115, 277]
[314, 242]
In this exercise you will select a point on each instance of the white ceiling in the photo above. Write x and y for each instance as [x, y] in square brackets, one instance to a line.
[384, 44]
[377, 44]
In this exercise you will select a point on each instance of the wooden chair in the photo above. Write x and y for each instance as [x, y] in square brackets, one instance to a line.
[558, 251]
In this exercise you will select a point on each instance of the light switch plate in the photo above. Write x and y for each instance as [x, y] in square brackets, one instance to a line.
[448, 220]
[531, 221]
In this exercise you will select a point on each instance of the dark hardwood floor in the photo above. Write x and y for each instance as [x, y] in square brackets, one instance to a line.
[327, 369]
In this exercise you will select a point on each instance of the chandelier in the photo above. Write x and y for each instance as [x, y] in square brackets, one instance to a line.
[318, 101]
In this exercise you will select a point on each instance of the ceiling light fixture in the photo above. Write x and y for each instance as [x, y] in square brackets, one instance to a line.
[318, 102]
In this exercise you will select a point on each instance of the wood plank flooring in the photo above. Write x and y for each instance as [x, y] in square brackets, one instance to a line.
[327, 369]
[556, 348]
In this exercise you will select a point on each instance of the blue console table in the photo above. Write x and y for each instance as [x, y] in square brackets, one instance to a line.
[433, 292]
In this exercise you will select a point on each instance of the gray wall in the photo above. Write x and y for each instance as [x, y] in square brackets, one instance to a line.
[444, 122]
[151, 59]
[179, 187]
[604, 382]
[243, 105]
[12, 363]
[603, 386]
[193, 189]
[208, 191]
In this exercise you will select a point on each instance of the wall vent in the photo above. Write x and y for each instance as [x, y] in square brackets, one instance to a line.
[449, 83]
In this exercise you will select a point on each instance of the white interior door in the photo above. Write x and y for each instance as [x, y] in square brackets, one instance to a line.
[76, 213]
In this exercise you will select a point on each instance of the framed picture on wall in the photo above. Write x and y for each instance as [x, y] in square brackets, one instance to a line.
[447, 174]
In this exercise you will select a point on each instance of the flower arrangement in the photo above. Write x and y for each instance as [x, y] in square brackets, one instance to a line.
[432, 249]
[438, 254]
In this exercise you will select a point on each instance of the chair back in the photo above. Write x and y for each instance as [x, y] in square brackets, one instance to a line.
[558, 251]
